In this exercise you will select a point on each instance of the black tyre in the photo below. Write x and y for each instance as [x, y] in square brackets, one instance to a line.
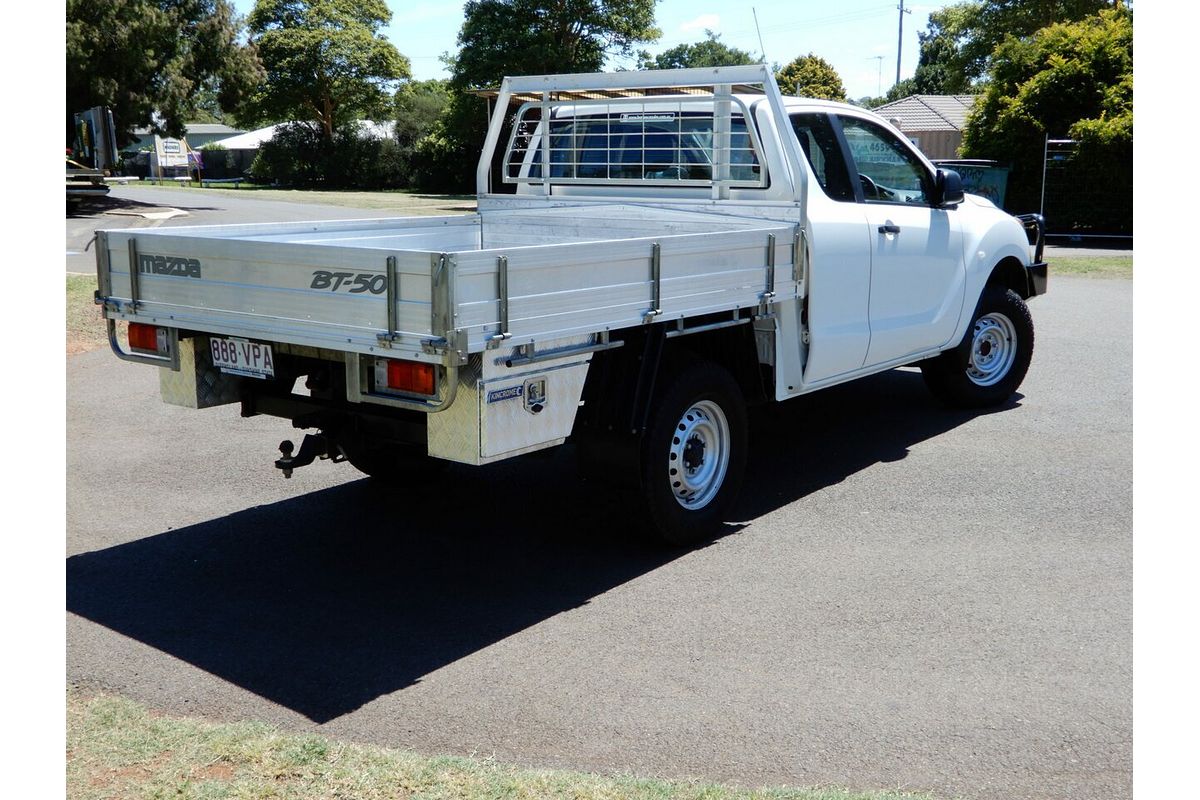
[693, 453]
[990, 363]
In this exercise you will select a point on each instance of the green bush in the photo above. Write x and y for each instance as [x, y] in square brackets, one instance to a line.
[299, 155]
[292, 158]
[444, 159]
[218, 161]
[1066, 81]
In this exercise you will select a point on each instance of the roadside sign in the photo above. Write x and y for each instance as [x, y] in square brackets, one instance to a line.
[171, 152]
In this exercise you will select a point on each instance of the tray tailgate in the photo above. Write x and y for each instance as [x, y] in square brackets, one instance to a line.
[326, 296]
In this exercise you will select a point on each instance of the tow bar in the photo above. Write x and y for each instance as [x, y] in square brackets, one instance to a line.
[313, 446]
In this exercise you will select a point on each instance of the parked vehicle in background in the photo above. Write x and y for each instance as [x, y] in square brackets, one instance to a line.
[93, 155]
[82, 181]
[677, 245]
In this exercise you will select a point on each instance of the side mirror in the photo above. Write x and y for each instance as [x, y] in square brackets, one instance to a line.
[949, 188]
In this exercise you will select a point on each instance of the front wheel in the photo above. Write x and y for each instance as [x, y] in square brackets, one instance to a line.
[693, 453]
[993, 358]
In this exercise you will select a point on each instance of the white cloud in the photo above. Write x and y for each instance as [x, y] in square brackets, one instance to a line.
[703, 22]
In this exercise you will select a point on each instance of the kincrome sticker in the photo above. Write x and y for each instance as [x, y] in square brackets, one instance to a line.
[169, 265]
[505, 394]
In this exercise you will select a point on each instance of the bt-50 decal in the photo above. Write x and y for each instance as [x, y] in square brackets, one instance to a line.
[349, 281]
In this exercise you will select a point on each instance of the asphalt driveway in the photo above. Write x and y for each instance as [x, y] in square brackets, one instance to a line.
[914, 597]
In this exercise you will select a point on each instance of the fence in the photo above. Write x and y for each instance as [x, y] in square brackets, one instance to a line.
[1085, 194]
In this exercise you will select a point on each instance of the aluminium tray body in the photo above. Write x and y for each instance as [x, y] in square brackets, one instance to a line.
[404, 285]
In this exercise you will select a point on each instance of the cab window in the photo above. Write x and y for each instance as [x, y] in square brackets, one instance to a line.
[888, 171]
[820, 146]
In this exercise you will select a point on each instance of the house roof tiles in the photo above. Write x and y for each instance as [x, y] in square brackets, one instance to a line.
[929, 112]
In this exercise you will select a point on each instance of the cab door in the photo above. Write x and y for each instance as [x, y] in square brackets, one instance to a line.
[840, 269]
[918, 276]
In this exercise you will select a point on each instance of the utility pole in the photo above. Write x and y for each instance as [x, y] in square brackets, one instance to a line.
[879, 85]
[900, 41]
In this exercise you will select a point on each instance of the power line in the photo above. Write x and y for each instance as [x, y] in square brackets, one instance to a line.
[843, 18]
[820, 22]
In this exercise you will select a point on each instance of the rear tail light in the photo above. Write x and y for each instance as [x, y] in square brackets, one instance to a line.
[147, 338]
[405, 376]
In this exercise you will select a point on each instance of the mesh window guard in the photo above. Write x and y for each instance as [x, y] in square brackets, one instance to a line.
[681, 141]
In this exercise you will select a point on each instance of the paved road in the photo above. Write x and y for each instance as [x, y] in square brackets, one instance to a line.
[141, 207]
[914, 598]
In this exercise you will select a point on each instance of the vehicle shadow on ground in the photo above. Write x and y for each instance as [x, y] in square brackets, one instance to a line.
[326, 601]
[814, 441]
[92, 207]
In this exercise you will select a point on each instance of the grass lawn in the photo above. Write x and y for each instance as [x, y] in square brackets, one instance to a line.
[1090, 266]
[118, 749]
[85, 326]
[408, 201]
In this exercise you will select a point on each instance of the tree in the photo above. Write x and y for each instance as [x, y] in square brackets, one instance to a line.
[957, 44]
[521, 37]
[325, 61]
[996, 20]
[419, 106]
[535, 37]
[153, 61]
[1069, 80]
[811, 76]
[709, 53]
[942, 67]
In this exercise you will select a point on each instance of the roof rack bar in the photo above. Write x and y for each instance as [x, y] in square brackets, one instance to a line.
[641, 79]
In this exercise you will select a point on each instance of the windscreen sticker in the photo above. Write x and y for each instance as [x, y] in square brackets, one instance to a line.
[667, 117]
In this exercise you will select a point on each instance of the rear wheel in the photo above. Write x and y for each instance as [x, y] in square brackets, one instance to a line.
[992, 360]
[693, 453]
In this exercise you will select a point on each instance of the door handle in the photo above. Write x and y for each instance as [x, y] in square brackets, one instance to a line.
[889, 228]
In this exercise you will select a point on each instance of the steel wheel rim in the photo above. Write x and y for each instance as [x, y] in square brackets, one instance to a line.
[699, 455]
[993, 349]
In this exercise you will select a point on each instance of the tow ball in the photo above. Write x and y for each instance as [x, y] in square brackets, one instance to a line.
[313, 446]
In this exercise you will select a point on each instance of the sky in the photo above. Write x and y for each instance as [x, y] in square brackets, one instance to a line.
[858, 37]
